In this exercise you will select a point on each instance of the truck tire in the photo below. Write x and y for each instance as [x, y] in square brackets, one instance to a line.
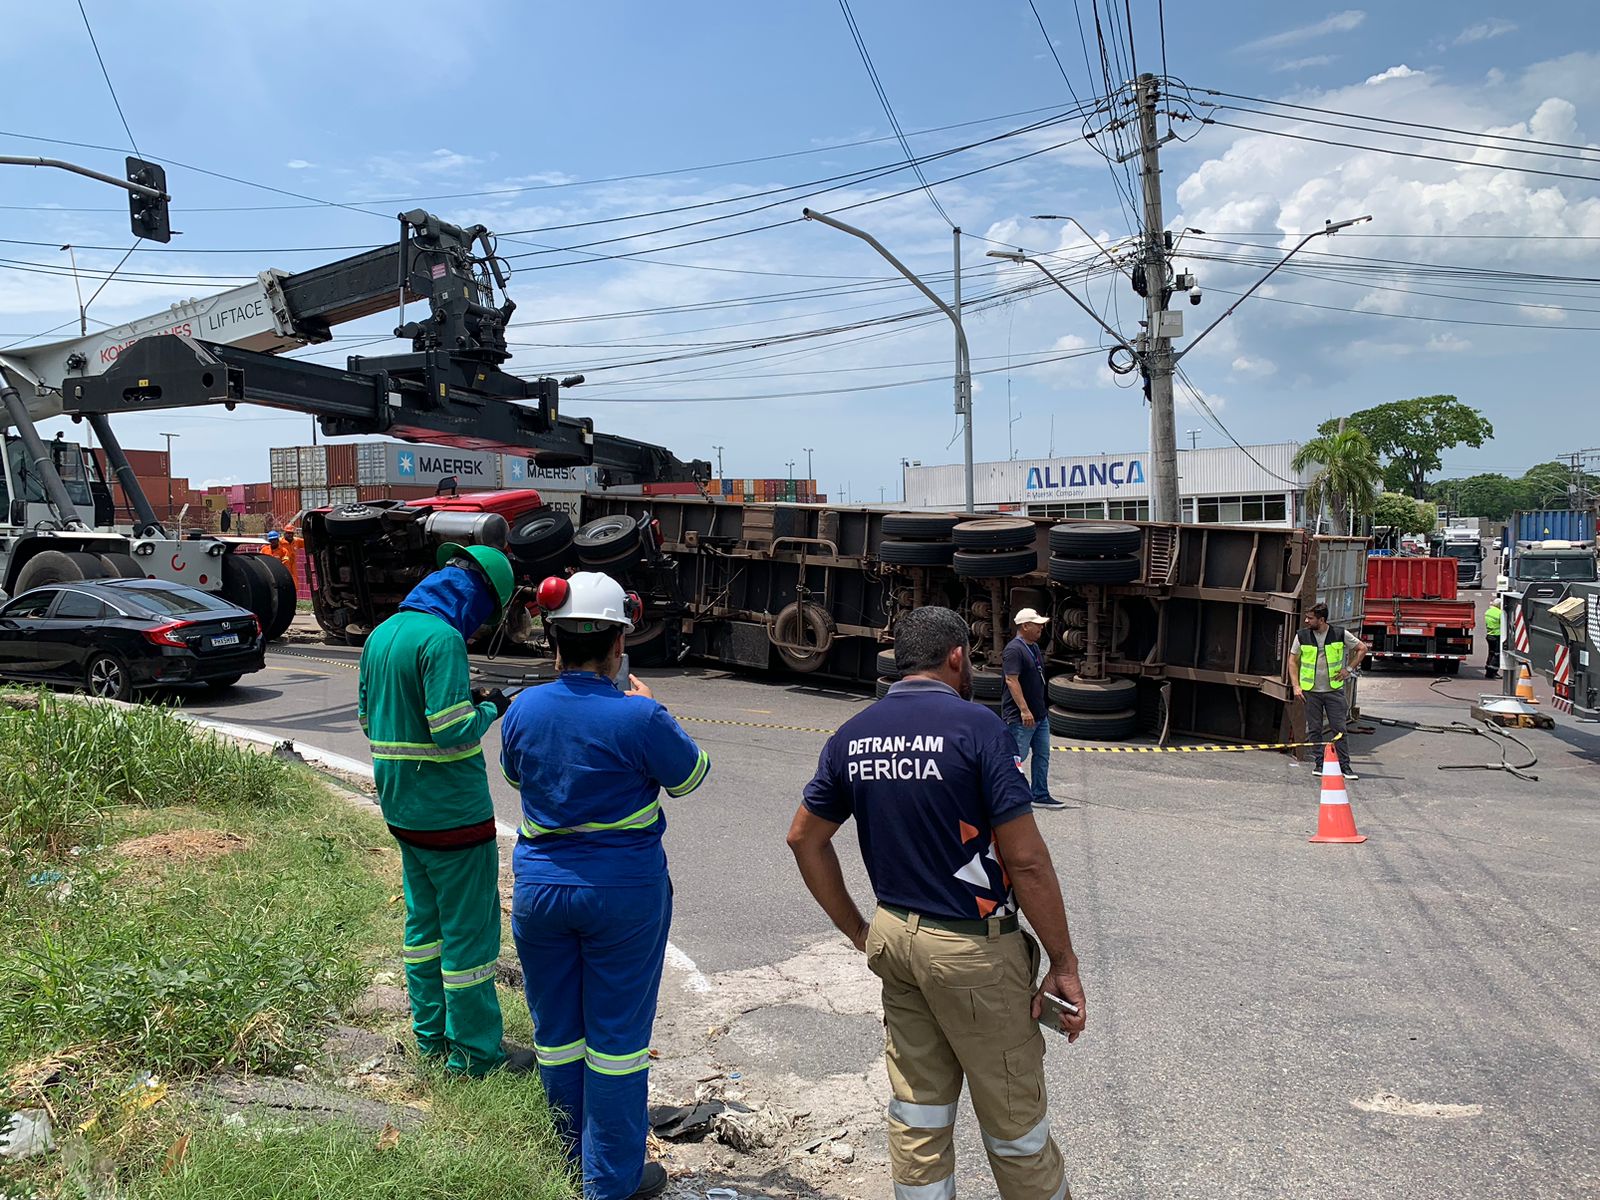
[789, 625]
[994, 564]
[1450, 666]
[995, 533]
[241, 585]
[1094, 726]
[606, 538]
[539, 534]
[121, 566]
[881, 688]
[886, 664]
[1122, 568]
[57, 566]
[353, 520]
[916, 554]
[284, 593]
[1094, 539]
[919, 527]
[1092, 695]
[988, 685]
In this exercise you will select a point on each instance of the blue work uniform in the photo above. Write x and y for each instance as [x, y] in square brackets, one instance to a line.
[592, 904]
[1024, 661]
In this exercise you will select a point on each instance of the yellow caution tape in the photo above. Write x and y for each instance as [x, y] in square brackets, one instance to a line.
[332, 662]
[756, 725]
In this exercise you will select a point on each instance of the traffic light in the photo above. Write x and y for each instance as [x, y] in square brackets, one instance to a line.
[149, 214]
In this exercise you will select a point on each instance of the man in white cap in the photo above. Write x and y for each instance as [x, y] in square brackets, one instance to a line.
[1024, 707]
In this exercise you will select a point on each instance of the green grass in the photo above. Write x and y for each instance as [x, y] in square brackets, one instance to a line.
[116, 962]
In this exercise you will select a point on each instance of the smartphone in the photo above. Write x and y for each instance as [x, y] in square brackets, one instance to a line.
[1054, 1007]
[621, 677]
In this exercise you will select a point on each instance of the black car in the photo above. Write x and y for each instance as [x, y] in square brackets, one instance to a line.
[114, 636]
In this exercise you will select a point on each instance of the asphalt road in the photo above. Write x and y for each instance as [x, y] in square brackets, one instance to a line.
[1410, 1017]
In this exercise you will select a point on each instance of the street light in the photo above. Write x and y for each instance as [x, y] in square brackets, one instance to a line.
[719, 450]
[1017, 256]
[791, 470]
[963, 380]
[808, 450]
[169, 437]
[1110, 258]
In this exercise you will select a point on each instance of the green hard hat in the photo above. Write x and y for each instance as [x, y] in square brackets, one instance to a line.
[494, 564]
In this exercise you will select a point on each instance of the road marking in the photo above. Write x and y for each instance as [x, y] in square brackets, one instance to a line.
[696, 981]
[299, 671]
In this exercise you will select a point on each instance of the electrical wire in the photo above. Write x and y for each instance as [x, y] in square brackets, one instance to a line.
[1210, 414]
[888, 109]
[106, 75]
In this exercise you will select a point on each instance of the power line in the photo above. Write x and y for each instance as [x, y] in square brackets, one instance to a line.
[1216, 421]
[107, 76]
[1051, 46]
[888, 109]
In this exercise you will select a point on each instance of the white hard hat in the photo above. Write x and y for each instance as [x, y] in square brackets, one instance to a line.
[587, 602]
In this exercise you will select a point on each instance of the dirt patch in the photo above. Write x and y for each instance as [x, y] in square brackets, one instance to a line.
[182, 845]
[1398, 1106]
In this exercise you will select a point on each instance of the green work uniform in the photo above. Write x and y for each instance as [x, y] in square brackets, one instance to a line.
[416, 708]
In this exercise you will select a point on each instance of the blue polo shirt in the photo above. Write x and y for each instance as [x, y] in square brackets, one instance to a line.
[927, 776]
[590, 764]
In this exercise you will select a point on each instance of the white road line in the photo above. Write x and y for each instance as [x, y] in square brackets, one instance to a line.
[696, 981]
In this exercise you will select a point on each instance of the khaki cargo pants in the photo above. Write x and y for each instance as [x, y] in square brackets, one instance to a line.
[958, 1005]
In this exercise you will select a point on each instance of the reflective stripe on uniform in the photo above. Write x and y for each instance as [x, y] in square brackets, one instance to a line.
[447, 717]
[696, 776]
[421, 954]
[617, 1064]
[471, 977]
[422, 752]
[557, 1056]
[944, 1189]
[1025, 1146]
[922, 1116]
[516, 783]
[642, 819]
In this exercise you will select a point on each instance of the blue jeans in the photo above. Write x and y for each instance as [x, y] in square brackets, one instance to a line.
[1036, 741]
[591, 959]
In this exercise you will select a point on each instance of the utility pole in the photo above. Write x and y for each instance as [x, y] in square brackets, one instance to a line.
[1194, 437]
[1159, 364]
[808, 450]
[791, 470]
[169, 437]
[719, 450]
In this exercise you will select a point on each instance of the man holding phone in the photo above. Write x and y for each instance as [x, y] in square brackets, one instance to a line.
[947, 833]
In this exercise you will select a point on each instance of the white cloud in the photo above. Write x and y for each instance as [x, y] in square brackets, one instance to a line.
[1542, 312]
[1484, 30]
[1339, 22]
[1258, 367]
[1400, 72]
[1301, 64]
[298, 164]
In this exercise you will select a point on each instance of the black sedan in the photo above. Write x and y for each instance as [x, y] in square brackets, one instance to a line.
[111, 637]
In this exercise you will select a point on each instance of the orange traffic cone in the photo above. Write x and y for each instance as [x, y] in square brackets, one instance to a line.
[1335, 821]
[1525, 686]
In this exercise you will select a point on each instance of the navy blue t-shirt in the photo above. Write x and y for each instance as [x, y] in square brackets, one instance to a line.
[928, 776]
[1027, 664]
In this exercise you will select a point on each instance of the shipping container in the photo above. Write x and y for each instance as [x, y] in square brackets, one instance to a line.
[313, 462]
[285, 503]
[342, 467]
[1390, 578]
[390, 491]
[1553, 524]
[314, 497]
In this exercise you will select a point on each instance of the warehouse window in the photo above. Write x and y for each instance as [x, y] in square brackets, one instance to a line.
[1092, 509]
[1239, 510]
[1128, 510]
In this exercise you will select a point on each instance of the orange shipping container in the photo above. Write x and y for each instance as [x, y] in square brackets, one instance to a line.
[342, 465]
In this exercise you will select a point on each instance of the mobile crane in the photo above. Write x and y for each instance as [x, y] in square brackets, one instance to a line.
[449, 389]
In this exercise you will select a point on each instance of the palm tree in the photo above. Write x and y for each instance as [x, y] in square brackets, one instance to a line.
[1347, 480]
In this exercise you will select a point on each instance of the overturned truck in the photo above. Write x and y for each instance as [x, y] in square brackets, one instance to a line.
[1180, 629]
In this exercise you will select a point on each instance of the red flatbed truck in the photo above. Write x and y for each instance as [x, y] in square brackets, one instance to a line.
[1413, 613]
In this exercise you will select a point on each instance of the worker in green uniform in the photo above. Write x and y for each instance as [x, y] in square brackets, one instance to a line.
[1492, 620]
[424, 720]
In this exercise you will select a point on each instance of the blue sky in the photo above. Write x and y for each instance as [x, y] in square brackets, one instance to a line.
[388, 106]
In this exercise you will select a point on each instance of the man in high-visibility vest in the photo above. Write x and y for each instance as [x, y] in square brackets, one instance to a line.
[1492, 621]
[1324, 657]
[417, 707]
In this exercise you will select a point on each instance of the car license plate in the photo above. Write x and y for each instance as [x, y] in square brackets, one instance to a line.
[224, 639]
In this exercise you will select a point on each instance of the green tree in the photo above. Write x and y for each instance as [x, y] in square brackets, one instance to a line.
[1545, 486]
[1397, 511]
[1491, 496]
[1346, 478]
[1413, 434]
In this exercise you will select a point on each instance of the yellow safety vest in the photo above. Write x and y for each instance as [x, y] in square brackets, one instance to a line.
[1333, 648]
[1492, 617]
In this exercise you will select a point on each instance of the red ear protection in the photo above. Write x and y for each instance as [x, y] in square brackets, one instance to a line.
[633, 607]
[553, 593]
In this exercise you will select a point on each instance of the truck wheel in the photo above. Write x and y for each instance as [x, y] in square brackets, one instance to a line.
[803, 624]
[995, 564]
[916, 554]
[881, 688]
[988, 685]
[241, 586]
[121, 566]
[106, 676]
[995, 533]
[1450, 666]
[539, 534]
[56, 566]
[1094, 727]
[1094, 539]
[886, 664]
[284, 594]
[270, 611]
[607, 538]
[353, 520]
[1092, 695]
[1117, 569]
[919, 527]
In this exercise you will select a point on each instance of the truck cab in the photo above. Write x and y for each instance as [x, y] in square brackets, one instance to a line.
[1466, 547]
[1544, 569]
[23, 503]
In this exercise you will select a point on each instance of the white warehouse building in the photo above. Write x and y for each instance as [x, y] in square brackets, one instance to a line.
[1255, 485]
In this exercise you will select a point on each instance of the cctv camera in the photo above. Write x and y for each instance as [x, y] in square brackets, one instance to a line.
[1194, 294]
